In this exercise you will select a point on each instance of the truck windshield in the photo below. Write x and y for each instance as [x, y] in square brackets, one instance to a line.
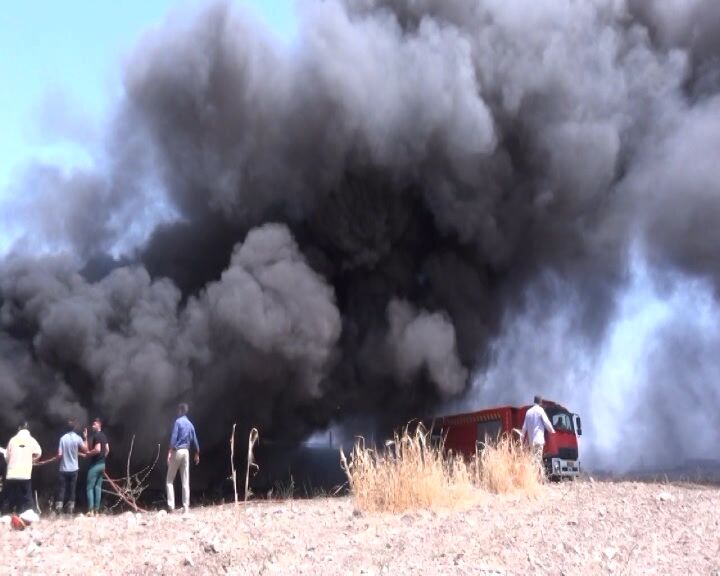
[561, 419]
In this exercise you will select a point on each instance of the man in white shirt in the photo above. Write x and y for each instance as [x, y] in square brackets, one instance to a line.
[21, 453]
[534, 426]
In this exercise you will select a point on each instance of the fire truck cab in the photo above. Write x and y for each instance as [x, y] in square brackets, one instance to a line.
[466, 433]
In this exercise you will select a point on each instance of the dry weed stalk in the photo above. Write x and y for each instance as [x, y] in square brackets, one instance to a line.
[233, 475]
[130, 488]
[252, 439]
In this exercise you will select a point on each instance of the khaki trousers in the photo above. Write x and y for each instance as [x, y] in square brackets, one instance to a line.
[179, 460]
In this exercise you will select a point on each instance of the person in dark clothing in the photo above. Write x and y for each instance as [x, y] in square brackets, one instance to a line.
[71, 445]
[182, 438]
[98, 449]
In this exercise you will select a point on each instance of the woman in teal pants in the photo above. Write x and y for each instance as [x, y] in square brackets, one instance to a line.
[99, 449]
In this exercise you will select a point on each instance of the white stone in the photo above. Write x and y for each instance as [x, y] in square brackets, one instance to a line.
[29, 517]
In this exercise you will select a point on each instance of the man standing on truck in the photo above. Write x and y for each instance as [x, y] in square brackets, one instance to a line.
[534, 426]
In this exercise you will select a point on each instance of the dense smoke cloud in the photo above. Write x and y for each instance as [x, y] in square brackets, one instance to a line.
[424, 341]
[353, 224]
[644, 392]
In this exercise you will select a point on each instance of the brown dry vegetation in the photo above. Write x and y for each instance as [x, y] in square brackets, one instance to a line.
[508, 466]
[410, 472]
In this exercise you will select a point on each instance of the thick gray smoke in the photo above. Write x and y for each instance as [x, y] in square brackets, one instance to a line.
[351, 225]
[424, 341]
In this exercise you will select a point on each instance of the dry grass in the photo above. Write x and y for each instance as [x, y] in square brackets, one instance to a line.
[413, 473]
[409, 473]
[506, 466]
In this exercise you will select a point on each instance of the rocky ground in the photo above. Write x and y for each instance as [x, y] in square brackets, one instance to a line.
[572, 528]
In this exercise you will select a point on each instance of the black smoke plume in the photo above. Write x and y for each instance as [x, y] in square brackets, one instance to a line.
[352, 218]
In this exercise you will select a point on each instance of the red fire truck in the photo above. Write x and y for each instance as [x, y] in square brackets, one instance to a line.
[463, 432]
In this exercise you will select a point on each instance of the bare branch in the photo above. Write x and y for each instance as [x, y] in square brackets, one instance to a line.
[130, 488]
[253, 438]
[232, 462]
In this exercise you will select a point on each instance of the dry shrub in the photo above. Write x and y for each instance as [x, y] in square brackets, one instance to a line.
[409, 473]
[507, 466]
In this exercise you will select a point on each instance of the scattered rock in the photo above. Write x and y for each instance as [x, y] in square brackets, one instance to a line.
[29, 517]
[665, 497]
[130, 519]
[162, 513]
[188, 561]
[609, 553]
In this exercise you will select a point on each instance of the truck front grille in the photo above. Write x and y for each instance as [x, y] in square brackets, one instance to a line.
[567, 453]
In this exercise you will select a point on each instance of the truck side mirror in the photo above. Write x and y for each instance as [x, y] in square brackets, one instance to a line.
[578, 425]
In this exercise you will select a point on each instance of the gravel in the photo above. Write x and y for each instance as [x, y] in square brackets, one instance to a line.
[571, 528]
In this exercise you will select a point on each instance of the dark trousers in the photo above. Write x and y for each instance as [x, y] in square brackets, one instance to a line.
[67, 484]
[17, 495]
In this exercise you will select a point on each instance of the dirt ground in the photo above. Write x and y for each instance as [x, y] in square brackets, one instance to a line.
[573, 528]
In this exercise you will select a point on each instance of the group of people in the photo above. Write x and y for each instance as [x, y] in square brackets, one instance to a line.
[23, 452]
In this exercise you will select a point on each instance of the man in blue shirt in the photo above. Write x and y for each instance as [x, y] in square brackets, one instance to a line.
[183, 437]
[70, 446]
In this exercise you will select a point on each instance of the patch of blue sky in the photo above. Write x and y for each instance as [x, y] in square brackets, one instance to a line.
[61, 68]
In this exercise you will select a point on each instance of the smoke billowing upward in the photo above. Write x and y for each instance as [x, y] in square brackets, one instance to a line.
[353, 225]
